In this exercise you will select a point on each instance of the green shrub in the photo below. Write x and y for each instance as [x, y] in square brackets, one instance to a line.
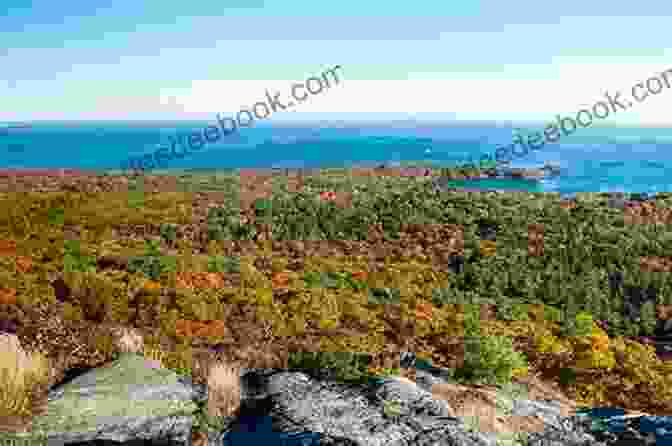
[490, 360]
[552, 314]
[332, 279]
[224, 224]
[441, 297]
[74, 260]
[391, 371]
[223, 264]
[450, 296]
[152, 264]
[56, 216]
[168, 232]
[342, 366]
[120, 308]
[382, 296]
[578, 325]
[648, 318]
[263, 210]
[136, 198]
[472, 320]
[509, 311]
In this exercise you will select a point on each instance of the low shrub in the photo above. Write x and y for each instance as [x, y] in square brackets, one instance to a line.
[644, 378]
[381, 296]
[342, 366]
[545, 342]
[223, 223]
[94, 294]
[509, 311]
[579, 325]
[384, 371]
[223, 264]
[152, 264]
[491, 360]
[637, 386]
[168, 233]
[332, 279]
[581, 247]
[75, 260]
[56, 216]
[592, 351]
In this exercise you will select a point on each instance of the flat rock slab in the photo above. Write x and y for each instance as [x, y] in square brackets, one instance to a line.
[283, 407]
[124, 400]
[287, 408]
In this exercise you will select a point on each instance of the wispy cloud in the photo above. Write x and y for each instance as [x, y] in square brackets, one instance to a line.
[476, 60]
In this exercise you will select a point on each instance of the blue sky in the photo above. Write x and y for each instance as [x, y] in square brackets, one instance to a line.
[480, 60]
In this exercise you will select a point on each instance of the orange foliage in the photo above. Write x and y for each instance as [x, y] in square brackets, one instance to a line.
[280, 279]
[151, 285]
[191, 328]
[424, 311]
[360, 275]
[7, 248]
[24, 264]
[199, 280]
[8, 296]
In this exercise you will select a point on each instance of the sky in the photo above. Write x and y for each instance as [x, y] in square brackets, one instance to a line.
[517, 60]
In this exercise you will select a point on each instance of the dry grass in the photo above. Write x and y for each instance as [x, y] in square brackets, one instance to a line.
[20, 371]
[223, 390]
[129, 341]
[199, 438]
[155, 356]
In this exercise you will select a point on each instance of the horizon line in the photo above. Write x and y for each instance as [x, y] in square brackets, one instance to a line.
[20, 124]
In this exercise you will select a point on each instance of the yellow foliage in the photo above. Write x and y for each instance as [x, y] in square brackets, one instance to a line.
[520, 372]
[250, 276]
[328, 324]
[264, 297]
[548, 343]
[596, 360]
[72, 312]
[590, 352]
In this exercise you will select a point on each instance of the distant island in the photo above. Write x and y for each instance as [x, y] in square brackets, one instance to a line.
[17, 125]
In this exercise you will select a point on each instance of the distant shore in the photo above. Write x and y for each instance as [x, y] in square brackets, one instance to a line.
[415, 169]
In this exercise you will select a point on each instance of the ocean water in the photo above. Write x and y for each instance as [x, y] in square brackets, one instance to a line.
[591, 159]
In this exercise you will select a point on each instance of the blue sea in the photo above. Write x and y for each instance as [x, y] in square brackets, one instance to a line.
[597, 159]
